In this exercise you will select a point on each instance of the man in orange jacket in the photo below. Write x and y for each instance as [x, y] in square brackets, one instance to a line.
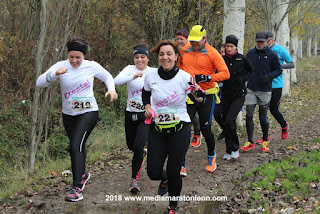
[206, 64]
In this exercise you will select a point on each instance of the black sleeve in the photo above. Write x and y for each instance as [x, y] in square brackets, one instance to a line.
[146, 97]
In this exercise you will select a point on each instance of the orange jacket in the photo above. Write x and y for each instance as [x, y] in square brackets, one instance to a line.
[205, 61]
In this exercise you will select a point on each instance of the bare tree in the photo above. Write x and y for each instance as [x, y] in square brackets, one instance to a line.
[234, 21]
[43, 48]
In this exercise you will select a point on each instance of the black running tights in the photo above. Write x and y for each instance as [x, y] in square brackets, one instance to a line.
[136, 136]
[78, 129]
[264, 123]
[174, 146]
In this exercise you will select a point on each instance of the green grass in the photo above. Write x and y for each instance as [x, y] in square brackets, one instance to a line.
[292, 175]
[19, 179]
[101, 141]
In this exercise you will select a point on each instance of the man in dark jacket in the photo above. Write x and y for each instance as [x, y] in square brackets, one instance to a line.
[233, 94]
[267, 67]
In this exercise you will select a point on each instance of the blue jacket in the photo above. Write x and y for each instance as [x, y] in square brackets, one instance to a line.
[283, 56]
[265, 62]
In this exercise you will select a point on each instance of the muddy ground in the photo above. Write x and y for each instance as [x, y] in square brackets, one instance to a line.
[111, 177]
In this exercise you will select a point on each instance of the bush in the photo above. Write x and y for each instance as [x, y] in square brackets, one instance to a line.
[14, 129]
[58, 144]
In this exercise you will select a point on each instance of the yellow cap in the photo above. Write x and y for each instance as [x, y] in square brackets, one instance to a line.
[197, 33]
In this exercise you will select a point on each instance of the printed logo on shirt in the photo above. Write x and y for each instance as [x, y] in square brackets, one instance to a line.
[153, 83]
[136, 93]
[168, 100]
[81, 87]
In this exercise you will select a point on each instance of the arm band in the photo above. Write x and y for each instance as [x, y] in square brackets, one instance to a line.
[146, 97]
[288, 65]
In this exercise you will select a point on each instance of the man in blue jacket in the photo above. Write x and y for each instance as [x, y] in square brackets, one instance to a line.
[277, 84]
[267, 67]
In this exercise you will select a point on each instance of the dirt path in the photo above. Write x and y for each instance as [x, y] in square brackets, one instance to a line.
[111, 177]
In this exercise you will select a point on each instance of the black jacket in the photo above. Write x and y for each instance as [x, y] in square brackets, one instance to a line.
[241, 71]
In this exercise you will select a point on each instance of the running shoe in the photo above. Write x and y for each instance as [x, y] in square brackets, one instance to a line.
[183, 172]
[285, 132]
[172, 210]
[226, 156]
[74, 195]
[234, 154]
[261, 140]
[211, 164]
[247, 146]
[196, 141]
[84, 179]
[265, 146]
[163, 188]
[134, 188]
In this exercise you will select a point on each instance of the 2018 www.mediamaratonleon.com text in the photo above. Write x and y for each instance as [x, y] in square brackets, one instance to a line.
[114, 198]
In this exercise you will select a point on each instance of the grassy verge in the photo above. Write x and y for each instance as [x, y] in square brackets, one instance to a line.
[103, 139]
[292, 184]
[293, 181]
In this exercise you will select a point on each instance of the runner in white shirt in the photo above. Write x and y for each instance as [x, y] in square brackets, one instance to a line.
[79, 106]
[164, 96]
[135, 128]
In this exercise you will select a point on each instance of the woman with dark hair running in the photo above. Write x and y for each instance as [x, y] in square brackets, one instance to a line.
[233, 94]
[164, 95]
[135, 128]
[79, 106]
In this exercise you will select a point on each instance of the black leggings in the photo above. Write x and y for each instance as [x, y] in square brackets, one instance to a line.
[196, 125]
[174, 146]
[264, 123]
[78, 129]
[205, 112]
[218, 114]
[231, 107]
[274, 106]
[136, 136]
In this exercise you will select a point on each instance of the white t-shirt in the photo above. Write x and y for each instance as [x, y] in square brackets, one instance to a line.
[77, 85]
[169, 93]
[134, 86]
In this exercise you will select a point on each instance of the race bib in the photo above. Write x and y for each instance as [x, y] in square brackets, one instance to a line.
[136, 104]
[167, 116]
[81, 103]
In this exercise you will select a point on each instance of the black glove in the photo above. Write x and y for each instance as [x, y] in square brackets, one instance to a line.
[202, 78]
[199, 93]
[265, 79]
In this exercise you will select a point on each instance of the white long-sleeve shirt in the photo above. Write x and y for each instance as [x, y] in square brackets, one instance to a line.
[169, 95]
[134, 86]
[77, 85]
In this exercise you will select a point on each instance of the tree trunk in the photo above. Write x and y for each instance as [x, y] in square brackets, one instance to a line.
[281, 26]
[36, 97]
[294, 53]
[309, 44]
[300, 49]
[315, 47]
[234, 21]
[56, 33]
